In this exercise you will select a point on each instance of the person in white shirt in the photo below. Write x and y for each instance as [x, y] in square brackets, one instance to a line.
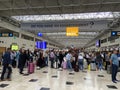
[68, 58]
[80, 61]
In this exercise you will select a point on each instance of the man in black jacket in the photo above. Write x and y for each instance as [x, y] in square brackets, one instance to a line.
[7, 64]
[22, 60]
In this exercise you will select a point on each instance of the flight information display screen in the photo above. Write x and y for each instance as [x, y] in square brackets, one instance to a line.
[41, 44]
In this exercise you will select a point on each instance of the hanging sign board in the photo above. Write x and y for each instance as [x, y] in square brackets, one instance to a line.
[72, 31]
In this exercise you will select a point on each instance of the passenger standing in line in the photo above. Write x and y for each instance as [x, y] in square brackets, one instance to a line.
[17, 57]
[22, 60]
[80, 62]
[68, 58]
[87, 57]
[76, 56]
[39, 55]
[28, 54]
[7, 64]
[52, 58]
[107, 59]
[60, 58]
[45, 55]
[99, 61]
[41, 62]
[56, 59]
[114, 63]
[13, 57]
[36, 54]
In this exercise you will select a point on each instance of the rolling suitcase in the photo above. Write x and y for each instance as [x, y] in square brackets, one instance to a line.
[85, 64]
[31, 67]
[64, 65]
[93, 66]
[55, 65]
[76, 69]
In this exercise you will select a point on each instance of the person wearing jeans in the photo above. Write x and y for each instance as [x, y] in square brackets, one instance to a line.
[114, 64]
[69, 65]
[80, 62]
[46, 61]
[68, 58]
[99, 61]
[7, 65]
[100, 65]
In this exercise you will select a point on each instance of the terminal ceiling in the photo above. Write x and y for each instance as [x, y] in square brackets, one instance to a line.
[13, 8]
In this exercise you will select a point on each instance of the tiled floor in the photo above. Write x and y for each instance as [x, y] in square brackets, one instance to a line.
[80, 80]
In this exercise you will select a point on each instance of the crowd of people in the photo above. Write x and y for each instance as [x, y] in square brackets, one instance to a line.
[73, 60]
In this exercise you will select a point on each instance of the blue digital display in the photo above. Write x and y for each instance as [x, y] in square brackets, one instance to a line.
[41, 44]
[40, 34]
[10, 34]
[114, 33]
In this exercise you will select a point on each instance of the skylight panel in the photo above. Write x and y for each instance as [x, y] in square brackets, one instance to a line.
[96, 15]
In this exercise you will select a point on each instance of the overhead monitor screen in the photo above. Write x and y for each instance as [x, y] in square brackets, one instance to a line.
[41, 44]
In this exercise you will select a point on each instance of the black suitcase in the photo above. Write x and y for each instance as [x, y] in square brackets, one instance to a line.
[76, 69]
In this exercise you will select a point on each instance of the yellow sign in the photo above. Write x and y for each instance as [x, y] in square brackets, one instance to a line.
[72, 31]
[14, 47]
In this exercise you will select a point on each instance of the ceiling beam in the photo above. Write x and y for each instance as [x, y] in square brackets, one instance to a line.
[71, 38]
[4, 0]
[59, 6]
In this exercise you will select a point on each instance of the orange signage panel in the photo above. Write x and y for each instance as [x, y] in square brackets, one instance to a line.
[72, 31]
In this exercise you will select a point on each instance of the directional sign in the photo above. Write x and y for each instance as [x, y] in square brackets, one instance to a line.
[72, 31]
[6, 34]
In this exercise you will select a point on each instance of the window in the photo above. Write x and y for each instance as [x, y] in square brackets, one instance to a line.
[104, 40]
[111, 38]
